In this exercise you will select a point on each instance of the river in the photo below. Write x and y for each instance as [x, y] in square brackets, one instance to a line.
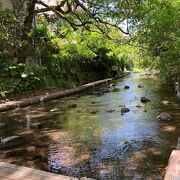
[86, 140]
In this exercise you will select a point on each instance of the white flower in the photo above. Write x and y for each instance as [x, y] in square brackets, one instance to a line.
[23, 75]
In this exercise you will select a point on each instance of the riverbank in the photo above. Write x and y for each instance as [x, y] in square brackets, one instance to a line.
[52, 95]
[93, 139]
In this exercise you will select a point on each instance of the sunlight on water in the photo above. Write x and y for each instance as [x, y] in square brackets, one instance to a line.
[89, 141]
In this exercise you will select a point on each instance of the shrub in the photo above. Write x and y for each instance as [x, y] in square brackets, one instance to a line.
[14, 78]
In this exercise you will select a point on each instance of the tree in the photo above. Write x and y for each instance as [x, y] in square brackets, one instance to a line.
[96, 15]
[159, 34]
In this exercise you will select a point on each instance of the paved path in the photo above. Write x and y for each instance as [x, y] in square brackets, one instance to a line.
[173, 169]
[14, 172]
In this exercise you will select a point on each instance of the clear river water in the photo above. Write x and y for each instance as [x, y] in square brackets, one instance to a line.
[86, 140]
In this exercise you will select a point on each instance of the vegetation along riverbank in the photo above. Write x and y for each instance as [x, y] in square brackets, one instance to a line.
[51, 49]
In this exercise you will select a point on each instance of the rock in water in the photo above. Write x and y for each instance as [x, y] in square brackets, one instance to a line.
[93, 111]
[144, 100]
[105, 91]
[140, 105]
[11, 141]
[54, 110]
[114, 89]
[165, 102]
[126, 87]
[164, 117]
[72, 105]
[36, 125]
[110, 110]
[125, 110]
[112, 85]
[2, 125]
[16, 152]
[140, 86]
[148, 74]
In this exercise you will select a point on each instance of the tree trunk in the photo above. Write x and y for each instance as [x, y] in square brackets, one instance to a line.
[26, 40]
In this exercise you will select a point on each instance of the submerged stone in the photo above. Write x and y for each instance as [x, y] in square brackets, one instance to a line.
[114, 89]
[125, 110]
[126, 87]
[36, 125]
[145, 99]
[112, 85]
[165, 102]
[72, 105]
[93, 111]
[54, 110]
[2, 125]
[110, 110]
[105, 90]
[16, 152]
[164, 117]
[11, 141]
[140, 86]
[140, 105]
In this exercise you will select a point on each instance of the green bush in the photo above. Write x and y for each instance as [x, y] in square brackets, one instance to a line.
[14, 78]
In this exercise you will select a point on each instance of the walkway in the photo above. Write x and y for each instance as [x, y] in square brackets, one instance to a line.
[14, 172]
[173, 169]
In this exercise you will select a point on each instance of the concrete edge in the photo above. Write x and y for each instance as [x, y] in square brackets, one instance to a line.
[173, 168]
[12, 171]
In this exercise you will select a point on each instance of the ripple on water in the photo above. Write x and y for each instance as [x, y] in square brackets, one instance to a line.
[89, 141]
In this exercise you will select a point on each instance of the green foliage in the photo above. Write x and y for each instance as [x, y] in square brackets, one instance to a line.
[14, 78]
[159, 34]
[9, 69]
[67, 54]
[10, 30]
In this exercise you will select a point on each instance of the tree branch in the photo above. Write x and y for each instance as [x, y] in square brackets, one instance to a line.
[97, 20]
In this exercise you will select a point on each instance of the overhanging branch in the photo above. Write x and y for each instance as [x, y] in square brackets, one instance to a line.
[65, 7]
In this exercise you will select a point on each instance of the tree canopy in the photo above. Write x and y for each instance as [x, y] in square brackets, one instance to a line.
[150, 26]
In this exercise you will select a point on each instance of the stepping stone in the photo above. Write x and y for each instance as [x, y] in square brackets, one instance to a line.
[145, 99]
[110, 110]
[126, 87]
[140, 86]
[11, 141]
[125, 110]
[164, 117]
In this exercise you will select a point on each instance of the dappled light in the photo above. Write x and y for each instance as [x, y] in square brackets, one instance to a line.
[89, 89]
[78, 140]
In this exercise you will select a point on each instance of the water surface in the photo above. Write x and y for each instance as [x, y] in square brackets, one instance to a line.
[81, 142]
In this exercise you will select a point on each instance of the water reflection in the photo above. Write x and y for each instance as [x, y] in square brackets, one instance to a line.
[89, 141]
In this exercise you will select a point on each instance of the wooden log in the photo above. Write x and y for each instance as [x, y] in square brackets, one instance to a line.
[34, 100]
